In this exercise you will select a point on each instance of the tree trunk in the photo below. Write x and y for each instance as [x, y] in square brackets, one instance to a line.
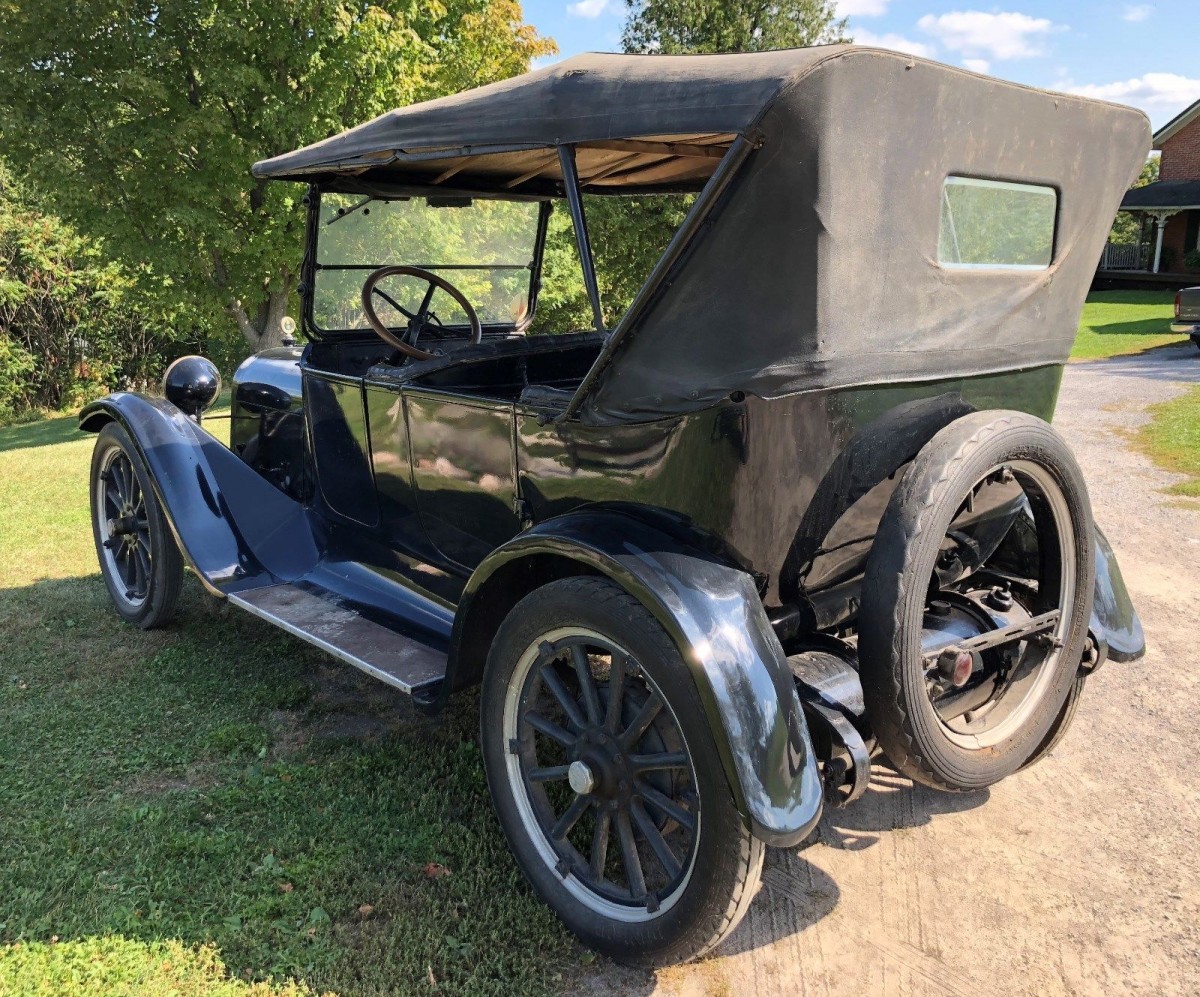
[265, 329]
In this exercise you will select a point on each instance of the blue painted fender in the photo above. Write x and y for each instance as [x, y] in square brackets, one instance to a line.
[713, 613]
[231, 525]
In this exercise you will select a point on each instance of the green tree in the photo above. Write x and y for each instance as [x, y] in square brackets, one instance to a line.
[676, 27]
[142, 119]
[1127, 228]
[72, 323]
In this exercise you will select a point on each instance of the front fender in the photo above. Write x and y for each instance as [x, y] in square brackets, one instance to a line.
[713, 613]
[233, 527]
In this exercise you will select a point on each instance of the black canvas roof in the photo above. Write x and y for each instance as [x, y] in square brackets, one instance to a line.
[817, 267]
[642, 121]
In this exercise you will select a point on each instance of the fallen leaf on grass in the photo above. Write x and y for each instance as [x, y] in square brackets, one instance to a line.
[366, 909]
[434, 870]
[286, 887]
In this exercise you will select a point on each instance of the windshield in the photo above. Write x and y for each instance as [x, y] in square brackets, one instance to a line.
[484, 247]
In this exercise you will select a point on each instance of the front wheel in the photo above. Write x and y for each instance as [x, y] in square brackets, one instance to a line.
[139, 559]
[607, 780]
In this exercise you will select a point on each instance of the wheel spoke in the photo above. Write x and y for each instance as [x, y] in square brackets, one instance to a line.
[599, 856]
[553, 773]
[633, 864]
[641, 723]
[569, 706]
[570, 818]
[665, 805]
[143, 570]
[587, 682]
[550, 729]
[616, 691]
[658, 845]
[112, 495]
[126, 476]
[662, 760]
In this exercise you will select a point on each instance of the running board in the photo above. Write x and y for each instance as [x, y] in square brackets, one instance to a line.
[391, 657]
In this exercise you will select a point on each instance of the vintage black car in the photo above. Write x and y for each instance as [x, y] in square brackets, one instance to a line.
[798, 512]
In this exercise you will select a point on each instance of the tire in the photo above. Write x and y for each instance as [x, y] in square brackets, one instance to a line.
[720, 868]
[896, 586]
[139, 559]
[1062, 723]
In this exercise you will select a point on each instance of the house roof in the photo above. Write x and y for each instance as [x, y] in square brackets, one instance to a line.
[1176, 125]
[1163, 194]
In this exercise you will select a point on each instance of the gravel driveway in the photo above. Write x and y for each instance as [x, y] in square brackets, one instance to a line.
[1079, 876]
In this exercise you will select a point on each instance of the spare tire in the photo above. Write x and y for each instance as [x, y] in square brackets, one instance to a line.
[903, 695]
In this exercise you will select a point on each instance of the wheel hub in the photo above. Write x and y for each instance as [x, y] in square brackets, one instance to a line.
[608, 768]
[123, 525]
[580, 777]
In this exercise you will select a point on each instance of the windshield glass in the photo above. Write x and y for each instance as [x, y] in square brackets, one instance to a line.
[483, 247]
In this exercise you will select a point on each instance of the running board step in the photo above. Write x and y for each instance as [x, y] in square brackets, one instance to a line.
[391, 657]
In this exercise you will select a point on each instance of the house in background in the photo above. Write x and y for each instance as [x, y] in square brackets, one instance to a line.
[1169, 213]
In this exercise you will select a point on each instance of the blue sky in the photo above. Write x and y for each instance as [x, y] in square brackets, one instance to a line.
[1141, 53]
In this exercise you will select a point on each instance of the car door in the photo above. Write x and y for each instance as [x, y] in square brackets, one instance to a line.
[463, 471]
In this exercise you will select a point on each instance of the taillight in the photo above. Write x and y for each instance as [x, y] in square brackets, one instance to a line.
[1178, 295]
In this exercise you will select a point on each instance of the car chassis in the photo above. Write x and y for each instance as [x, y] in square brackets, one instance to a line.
[798, 512]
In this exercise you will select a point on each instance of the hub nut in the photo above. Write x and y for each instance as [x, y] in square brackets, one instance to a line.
[579, 775]
[956, 666]
[999, 598]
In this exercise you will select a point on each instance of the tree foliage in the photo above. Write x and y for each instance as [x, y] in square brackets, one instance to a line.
[72, 324]
[683, 26]
[1127, 228]
[142, 118]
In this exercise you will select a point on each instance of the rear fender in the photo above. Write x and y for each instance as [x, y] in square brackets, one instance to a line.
[713, 613]
[233, 527]
[1115, 625]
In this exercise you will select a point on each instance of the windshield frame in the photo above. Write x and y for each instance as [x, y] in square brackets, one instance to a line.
[311, 267]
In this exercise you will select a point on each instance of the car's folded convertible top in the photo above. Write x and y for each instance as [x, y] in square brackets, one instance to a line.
[819, 266]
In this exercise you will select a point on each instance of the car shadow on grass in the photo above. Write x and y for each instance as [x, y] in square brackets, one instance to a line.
[43, 433]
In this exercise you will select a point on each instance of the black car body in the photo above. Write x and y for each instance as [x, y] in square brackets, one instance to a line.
[880, 249]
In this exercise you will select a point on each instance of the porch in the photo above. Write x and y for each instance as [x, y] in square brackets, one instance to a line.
[1164, 246]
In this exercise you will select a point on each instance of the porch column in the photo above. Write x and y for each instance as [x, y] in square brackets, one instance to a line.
[1160, 220]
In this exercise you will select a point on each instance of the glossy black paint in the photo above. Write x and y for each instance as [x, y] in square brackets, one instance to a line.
[192, 384]
[713, 613]
[437, 506]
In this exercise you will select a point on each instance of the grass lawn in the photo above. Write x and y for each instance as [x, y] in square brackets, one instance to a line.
[192, 810]
[1115, 322]
[1172, 439]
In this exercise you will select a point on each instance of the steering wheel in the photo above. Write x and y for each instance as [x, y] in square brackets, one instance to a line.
[419, 321]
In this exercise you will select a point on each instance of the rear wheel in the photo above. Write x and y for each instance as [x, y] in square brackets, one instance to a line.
[139, 559]
[607, 780]
[964, 686]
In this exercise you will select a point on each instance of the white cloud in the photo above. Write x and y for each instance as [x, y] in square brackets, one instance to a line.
[897, 42]
[977, 65]
[1161, 95]
[587, 8]
[862, 8]
[1005, 35]
[1137, 12]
